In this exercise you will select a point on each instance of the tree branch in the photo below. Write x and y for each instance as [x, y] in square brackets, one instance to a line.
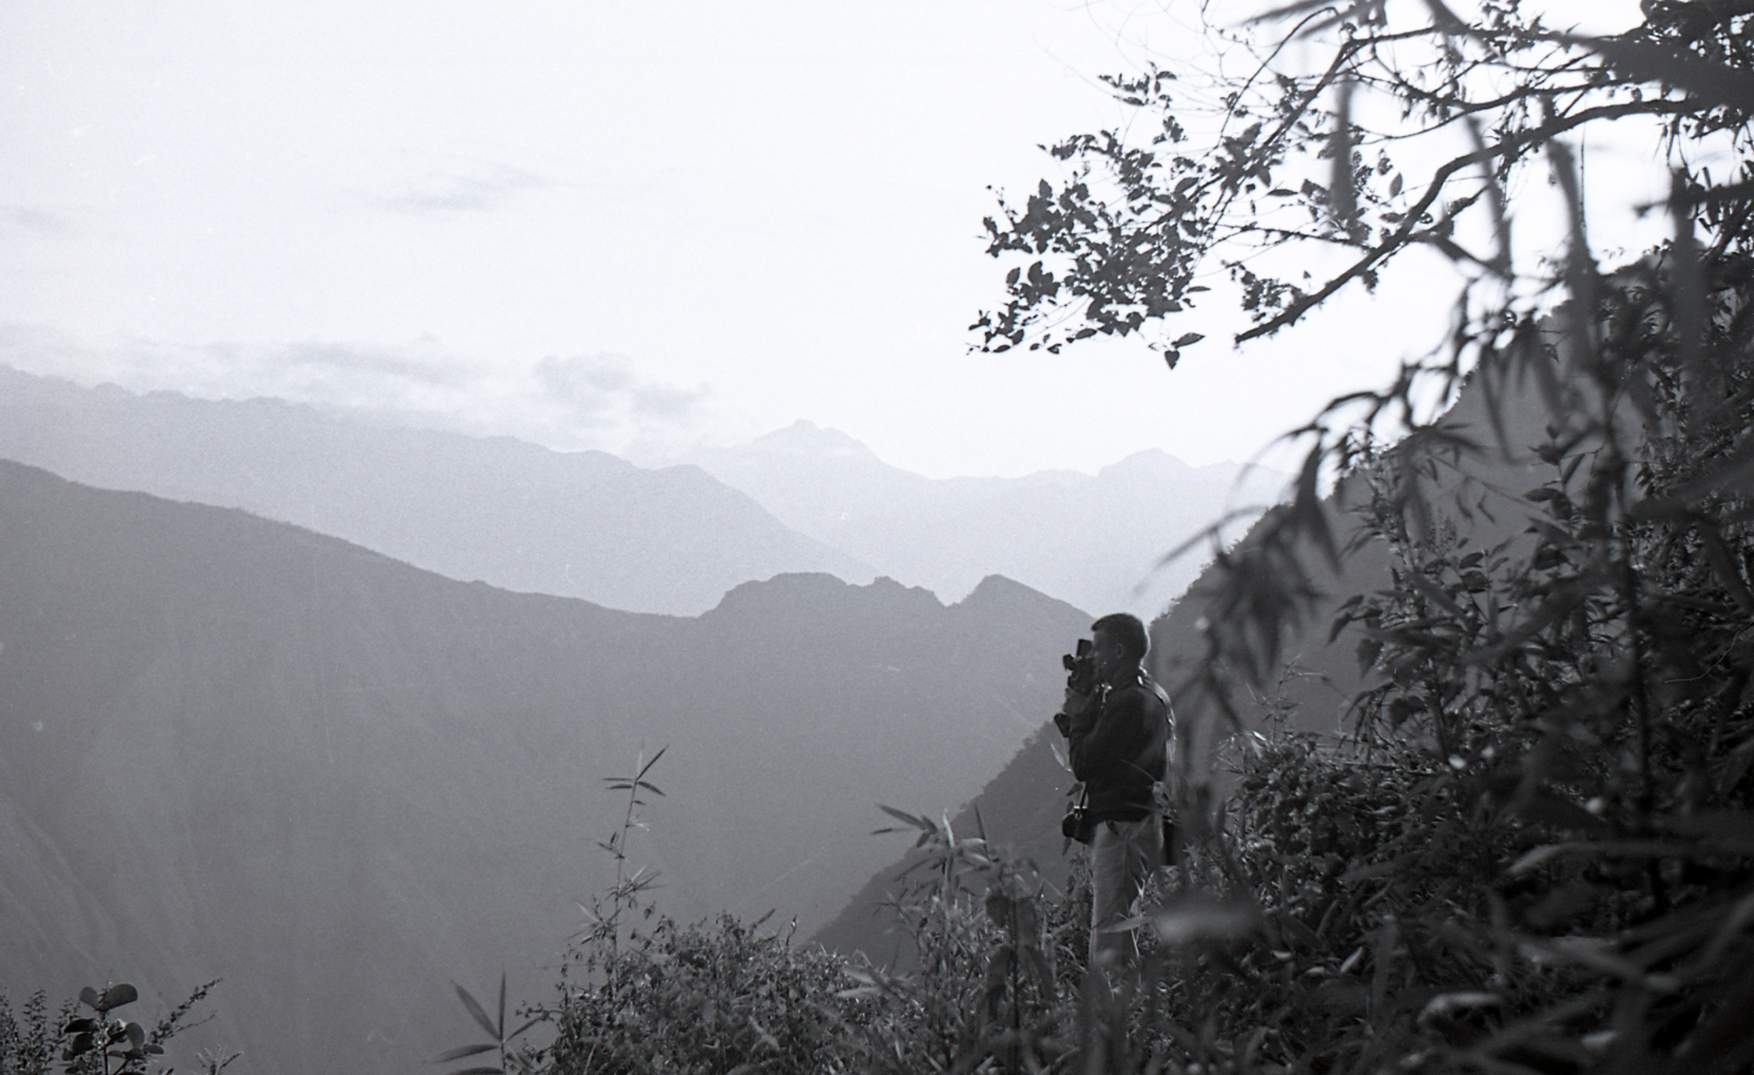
[1403, 234]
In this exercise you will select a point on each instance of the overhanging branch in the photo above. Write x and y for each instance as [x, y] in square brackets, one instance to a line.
[1403, 235]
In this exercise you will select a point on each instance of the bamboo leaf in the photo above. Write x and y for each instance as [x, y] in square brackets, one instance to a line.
[1687, 283]
[1435, 593]
[1190, 920]
[1343, 196]
[647, 767]
[464, 1050]
[1729, 829]
[1736, 471]
[913, 822]
[1501, 261]
[1445, 1003]
[1723, 562]
[476, 1011]
[1209, 535]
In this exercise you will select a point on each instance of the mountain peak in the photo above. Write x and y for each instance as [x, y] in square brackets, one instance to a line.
[815, 591]
[806, 437]
[998, 594]
[1150, 461]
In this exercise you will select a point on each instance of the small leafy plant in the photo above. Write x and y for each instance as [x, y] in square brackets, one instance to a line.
[94, 1041]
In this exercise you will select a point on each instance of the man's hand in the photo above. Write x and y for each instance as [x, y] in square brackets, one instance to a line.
[1076, 712]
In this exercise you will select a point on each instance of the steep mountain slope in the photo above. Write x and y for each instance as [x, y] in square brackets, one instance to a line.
[239, 749]
[576, 524]
[1090, 540]
[1021, 807]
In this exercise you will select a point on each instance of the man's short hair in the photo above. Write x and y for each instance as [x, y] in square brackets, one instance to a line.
[1128, 630]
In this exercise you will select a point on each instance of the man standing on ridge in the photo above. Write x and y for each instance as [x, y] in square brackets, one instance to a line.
[1119, 736]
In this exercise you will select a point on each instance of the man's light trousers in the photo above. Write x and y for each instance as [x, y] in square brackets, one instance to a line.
[1122, 856]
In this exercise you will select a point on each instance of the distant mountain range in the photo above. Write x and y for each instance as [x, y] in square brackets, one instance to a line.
[235, 748]
[575, 524]
[1092, 540]
[590, 525]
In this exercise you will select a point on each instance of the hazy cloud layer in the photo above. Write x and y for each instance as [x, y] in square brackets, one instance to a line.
[577, 401]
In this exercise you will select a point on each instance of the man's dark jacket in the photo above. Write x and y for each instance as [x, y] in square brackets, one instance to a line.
[1121, 751]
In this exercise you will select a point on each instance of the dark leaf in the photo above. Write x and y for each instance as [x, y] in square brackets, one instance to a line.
[464, 1050]
[1736, 471]
[1343, 196]
[1714, 83]
[116, 996]
[1554, 810]
[1435, 594]
[1730, 830]
[647, 767]
[925, 823]
[476, 1011]
[1192, 919]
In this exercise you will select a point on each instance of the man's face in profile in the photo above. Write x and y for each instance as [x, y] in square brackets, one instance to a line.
[1111, 658]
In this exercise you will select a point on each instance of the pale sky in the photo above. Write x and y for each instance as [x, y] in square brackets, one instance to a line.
[625, 224]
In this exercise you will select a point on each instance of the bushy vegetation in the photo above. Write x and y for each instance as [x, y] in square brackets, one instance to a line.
[87, 1038]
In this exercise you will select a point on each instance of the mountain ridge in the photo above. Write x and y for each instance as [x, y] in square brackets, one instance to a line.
[242, 749]
[582, 524]
[1094, 540]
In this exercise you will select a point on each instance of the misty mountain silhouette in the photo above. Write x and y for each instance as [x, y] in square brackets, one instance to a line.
[518, 516]
[1092, 540]
[235, 748]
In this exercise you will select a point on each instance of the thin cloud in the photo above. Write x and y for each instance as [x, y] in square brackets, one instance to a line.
[565, 402]
[49, 223]
[478, 188]
[598, 389]
[667, 401]
[310, 371]
[396, 364]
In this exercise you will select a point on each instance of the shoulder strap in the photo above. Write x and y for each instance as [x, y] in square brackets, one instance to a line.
[1157, 747]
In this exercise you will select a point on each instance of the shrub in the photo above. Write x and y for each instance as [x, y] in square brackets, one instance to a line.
[32, 1042]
